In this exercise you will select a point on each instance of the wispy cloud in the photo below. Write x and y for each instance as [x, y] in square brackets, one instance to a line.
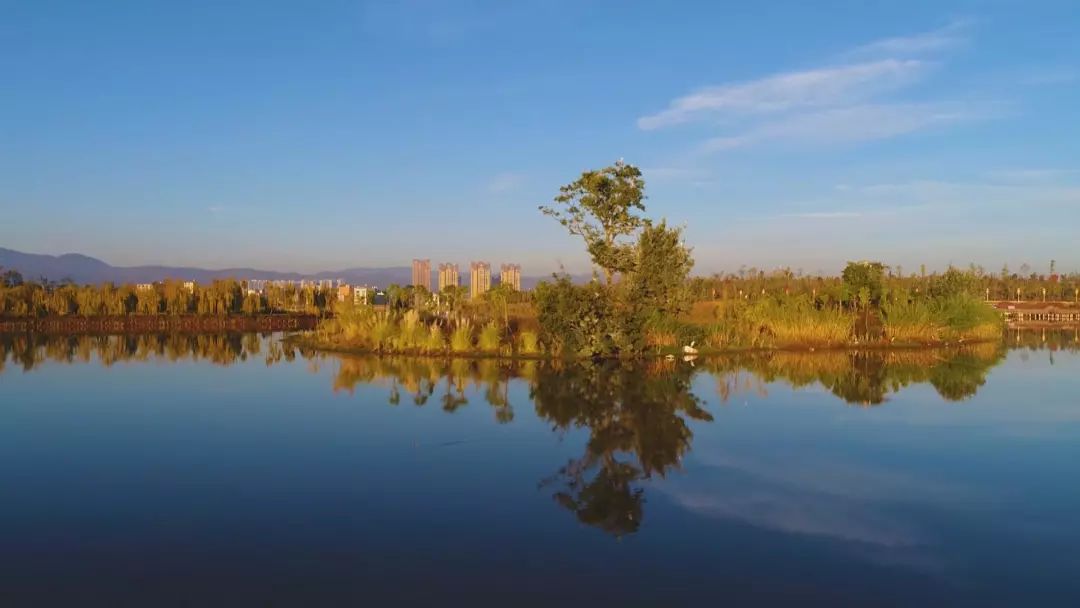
[907, 203]
[823, 215]
[1034, 174]
[973, 194]
[844, 103]
[857, 123]
[1051, 76]
[935, 41]
[505, 182]
[433, 22]
[789, 91]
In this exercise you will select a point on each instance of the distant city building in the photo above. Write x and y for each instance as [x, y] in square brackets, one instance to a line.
[344, 292]
[189, 285]
[421, 274]
[361, 294]
[448, 276]
[510, 275]
[144, 287]
[479, 279]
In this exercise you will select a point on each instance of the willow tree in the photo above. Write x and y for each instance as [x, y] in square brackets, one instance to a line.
[600, 207]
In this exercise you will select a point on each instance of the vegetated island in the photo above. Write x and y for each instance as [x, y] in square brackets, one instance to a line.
[642, 302]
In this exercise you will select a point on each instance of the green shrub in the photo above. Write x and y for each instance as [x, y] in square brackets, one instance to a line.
[575, 319]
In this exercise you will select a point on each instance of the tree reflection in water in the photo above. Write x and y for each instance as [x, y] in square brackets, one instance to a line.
[865, 378]
[637, 415]
[31, 350]
[447, 379]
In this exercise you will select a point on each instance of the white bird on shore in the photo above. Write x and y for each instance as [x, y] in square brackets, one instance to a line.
[690, 350]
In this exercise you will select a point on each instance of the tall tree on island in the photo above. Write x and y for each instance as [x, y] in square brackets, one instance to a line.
[600, 208]
[602, 319]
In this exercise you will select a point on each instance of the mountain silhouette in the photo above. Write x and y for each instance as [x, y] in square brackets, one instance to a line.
[83, 269]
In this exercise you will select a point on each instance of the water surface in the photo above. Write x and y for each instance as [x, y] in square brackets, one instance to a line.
[231, 469]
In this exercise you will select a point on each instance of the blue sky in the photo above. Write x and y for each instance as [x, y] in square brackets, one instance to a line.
[323, 135]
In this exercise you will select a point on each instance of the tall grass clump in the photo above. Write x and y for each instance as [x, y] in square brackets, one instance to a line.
[528, 343]
[797, 321]
[956, 317]
[352, 326]
[489, 338]
[730, 327]
[435, 342]
[969, 318]
[411, 334]
[910, 322]
[461, 338]
[667, 332]
[382, 332]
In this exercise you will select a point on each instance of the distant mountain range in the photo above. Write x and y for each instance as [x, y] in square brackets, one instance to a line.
[85, 269]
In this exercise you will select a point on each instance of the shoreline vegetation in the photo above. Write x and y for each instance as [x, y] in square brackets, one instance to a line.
[136, 323]
[642, 301]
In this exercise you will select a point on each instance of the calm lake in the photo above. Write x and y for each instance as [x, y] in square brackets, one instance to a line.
[231, 469]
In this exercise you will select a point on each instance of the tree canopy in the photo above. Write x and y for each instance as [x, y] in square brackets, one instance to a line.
[600, 207]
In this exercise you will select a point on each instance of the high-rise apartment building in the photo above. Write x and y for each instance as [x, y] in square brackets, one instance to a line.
[510, 275]
[448, 276]
[479, 278]
[421, 274]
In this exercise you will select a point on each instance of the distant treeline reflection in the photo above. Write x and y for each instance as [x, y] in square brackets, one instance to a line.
[863, 377]
[28, 351]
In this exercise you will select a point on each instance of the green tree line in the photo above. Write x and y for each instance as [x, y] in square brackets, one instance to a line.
[21, 299]
[1005, 285]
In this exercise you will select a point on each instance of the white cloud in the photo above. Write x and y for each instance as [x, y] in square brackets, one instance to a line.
[934, 41]
[1034, 174]
[845, 103]
[850, 124]
[790, 91]
[505, 182]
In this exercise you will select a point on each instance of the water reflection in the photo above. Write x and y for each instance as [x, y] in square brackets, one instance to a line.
[865, 378]
[637, 417]
[29, 351]
[857, 377]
